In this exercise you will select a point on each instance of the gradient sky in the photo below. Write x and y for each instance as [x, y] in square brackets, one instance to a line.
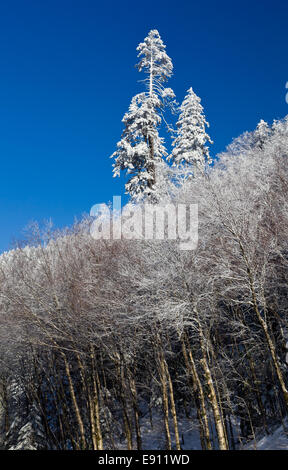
[67, 76]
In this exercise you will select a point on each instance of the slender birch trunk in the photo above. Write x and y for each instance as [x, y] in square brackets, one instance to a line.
[173, 407]
[75, 403]
[198, 390]
[96, 401]
[136, 412]
[212, 393]
[163, 380]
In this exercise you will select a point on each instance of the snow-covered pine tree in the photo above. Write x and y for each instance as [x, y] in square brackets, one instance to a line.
[190, 147]
[261, 133]
[141, 149]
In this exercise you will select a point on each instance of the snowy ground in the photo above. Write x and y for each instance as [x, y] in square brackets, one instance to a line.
[277, 440]
[153, 438]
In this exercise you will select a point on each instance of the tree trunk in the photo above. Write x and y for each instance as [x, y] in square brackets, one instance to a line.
[198, 391]
[75, 404]
[173, 407]
[212, 393]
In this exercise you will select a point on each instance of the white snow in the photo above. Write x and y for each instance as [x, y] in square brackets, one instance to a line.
[277, 440]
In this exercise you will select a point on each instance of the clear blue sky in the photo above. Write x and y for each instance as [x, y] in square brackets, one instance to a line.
[67, 76]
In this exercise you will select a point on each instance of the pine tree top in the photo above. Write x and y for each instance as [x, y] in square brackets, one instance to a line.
[154, 59]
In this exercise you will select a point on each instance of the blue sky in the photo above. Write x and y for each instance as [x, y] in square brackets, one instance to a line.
[67, 76]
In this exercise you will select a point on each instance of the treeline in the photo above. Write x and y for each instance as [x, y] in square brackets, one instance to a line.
[96, 335]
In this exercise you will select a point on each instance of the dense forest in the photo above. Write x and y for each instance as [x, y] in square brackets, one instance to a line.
[107, 342]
